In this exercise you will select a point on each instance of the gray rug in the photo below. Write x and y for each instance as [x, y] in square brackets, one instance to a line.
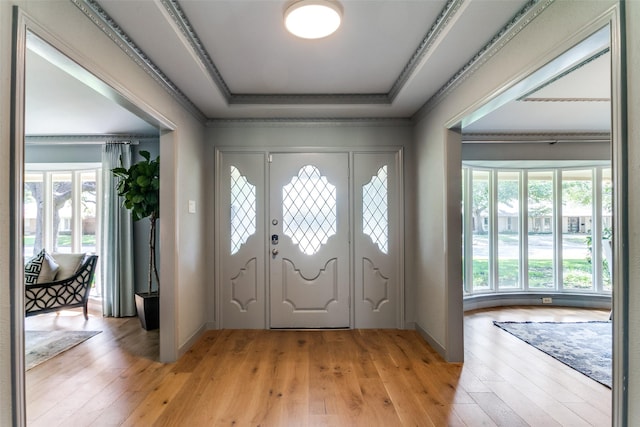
[41, 346]
[583, 346]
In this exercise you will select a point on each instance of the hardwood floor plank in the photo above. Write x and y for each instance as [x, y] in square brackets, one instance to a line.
[522, 404]
[497, 410]
[472, 414]
[590, 413]
[148, 411]
[312, 378]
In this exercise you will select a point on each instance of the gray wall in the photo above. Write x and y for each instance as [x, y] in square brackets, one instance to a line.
[355, 134]
[62, 153]
[438, 158]
[184, 266]
[565, 150]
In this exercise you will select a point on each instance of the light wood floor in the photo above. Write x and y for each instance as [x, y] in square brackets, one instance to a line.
[327, 378]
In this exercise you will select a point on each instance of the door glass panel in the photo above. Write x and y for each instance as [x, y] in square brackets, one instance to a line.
[540, 229]
[243, 210]
[375, 210]
[508, 230]
[62, 218]
[607, 214]
[309, 210]
[577, 208]
[480, 213]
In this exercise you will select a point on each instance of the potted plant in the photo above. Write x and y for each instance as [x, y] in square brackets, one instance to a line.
[139, 186]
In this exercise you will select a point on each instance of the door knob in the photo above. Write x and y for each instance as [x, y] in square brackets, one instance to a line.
[274, 251]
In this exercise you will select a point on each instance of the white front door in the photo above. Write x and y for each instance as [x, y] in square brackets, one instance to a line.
[309, 240]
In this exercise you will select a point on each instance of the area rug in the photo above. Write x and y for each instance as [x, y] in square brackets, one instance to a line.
[41, 346]
[583, 346]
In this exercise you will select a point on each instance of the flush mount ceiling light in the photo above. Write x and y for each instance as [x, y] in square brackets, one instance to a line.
[313, 19]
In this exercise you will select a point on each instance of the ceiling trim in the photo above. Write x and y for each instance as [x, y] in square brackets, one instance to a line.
[182, 23]
[77, 139]
[565, 100]
[376, 121]
[108, 26]
[567, 72]
[541, 137]
[184, 26]
[523, 18]
[444, 19]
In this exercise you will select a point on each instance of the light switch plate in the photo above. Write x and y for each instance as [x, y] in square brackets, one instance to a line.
[192, 206]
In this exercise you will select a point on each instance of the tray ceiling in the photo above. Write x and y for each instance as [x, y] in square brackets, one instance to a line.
[233, 59]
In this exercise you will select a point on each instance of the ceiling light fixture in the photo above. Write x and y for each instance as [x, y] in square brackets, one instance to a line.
[313, 19]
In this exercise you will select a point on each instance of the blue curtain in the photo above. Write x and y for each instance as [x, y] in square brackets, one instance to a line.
[116, 256]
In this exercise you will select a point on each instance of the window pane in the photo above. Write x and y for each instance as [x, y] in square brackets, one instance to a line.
[577, 197]
[88, 211]
[540, 229]
[243, 210]
[62, 218]
[508, 230]
[309, 211]
[375, 222]
[607, 214]
[467, 286]
[480, 230]
[33, 213]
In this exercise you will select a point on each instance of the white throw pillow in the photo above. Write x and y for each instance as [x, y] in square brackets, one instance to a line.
[49, 269]
[69, 264]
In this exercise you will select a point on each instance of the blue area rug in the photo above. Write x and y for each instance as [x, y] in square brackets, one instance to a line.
[583, 346]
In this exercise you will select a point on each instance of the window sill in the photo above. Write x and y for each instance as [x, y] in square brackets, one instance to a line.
[564, 299]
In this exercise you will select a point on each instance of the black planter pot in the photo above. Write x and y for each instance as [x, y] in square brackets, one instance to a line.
[148, 307]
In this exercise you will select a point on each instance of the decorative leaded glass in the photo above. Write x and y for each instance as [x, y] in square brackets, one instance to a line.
[309, 210]
[375, 211]
[243, 210]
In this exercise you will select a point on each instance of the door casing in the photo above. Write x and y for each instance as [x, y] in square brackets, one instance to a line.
[365, 311]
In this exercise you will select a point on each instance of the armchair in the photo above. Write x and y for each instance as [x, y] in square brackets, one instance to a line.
[62, 293]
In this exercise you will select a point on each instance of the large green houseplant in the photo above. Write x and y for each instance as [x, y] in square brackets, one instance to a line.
[139, 186]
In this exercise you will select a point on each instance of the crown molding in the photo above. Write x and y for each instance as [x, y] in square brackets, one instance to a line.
[535, 137]
[184, 26]
[90, 139]
[313, 99]
[182, 22]
[523, 18]
[565, 100]
[442, 22]
[99, 17]
[310, 122]
[96, 14]
[566, 73]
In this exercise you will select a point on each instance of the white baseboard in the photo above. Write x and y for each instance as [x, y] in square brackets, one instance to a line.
[431, 341]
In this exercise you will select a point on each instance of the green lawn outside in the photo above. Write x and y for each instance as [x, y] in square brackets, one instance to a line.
[577, 274]
[64, 241]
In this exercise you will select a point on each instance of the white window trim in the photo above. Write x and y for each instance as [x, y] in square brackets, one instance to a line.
[596, 231]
